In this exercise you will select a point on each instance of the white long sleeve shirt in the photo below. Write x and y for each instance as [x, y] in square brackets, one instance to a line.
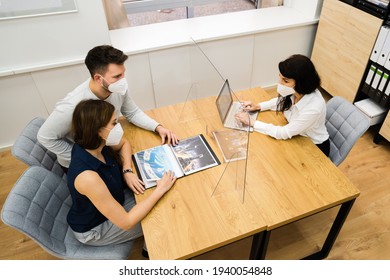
[306, 118]
[55, 133]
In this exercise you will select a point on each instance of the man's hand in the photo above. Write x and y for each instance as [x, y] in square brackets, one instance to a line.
[135, 184]
[167, 135]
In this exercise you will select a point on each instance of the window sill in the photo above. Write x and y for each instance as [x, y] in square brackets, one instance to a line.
[146, 38]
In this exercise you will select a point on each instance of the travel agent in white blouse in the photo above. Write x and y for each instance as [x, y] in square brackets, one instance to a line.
[300, 101]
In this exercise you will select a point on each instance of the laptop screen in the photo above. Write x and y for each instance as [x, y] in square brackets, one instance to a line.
[224, 101]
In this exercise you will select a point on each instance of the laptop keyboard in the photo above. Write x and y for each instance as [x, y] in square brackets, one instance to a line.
[231, 120]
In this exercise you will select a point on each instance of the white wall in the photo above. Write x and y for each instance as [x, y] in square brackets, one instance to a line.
[299, 40]
[29, 44]
[38, 41]
[157, 75]
[309, 8]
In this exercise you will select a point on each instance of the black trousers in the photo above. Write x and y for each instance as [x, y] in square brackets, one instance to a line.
[325, 147]
[65, 169]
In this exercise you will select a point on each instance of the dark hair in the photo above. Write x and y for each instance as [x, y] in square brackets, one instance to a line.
[98, 59]
[302, 70]
[88, 117]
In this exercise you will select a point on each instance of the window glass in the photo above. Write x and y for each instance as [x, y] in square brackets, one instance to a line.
[142, 12]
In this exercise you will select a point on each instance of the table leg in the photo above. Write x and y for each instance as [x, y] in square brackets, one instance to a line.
[260, 243]
[333, 233]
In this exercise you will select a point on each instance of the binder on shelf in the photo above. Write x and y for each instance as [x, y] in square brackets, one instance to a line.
[369, 77]
[381, 87]
[375, 82]
[380, 40]
[385, 100]
[387, 62]
[384, 53]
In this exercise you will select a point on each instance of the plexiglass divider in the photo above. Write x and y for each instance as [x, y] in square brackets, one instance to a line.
[207, 83]
[234, 146]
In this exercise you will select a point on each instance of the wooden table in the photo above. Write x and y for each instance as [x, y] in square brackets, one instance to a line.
[285, 181]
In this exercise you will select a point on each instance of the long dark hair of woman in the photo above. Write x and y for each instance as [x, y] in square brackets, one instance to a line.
[302, 70]
[89, 117]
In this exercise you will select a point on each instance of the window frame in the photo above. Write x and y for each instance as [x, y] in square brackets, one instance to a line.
[140, 6]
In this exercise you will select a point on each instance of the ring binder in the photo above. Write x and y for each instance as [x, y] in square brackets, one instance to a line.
[380, 90]
[369, 77]
[375, 83]
[385, 100]
[380, 40]
[384, 53]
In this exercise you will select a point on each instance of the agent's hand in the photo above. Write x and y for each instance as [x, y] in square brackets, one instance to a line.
[249, 106]
[166, 182]
[167, 135]
[245, 119]
[135, 184]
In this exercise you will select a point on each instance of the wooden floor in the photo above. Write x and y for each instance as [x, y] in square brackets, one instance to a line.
[365, 235]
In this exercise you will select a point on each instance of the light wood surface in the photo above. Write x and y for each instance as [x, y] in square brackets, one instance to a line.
[190, 220]
[385, 128]
[295, 178]
[285, 181]
[342, 47]
[365, 235]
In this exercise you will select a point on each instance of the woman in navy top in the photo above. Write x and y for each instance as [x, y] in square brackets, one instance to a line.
[104, 210]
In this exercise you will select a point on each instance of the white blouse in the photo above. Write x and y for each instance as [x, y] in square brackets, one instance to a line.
[306, 118]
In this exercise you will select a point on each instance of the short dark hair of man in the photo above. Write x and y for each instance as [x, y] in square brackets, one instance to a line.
[98, 59]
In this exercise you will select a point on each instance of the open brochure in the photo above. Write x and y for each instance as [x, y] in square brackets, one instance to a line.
[232, 143]
[191, 155]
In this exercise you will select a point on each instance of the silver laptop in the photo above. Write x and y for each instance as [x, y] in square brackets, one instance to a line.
[227, 109]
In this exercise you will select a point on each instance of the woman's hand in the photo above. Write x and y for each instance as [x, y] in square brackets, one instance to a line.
[135, 184]
[166, 182]
[249, 106]
[245, 119]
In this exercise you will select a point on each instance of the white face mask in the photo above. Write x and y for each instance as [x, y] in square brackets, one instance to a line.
[115, 135]
[284, 90]
[119, 87]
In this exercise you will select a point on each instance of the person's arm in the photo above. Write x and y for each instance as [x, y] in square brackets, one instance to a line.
[138, 117]
[53, 132]
[91, 185]
[269, 105]
[131, 179]
[298, 125]
[135, 115]
[246, 119]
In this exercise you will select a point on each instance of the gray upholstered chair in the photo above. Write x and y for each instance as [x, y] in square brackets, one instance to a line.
[345, 124]
[38, 205]
[30, 151]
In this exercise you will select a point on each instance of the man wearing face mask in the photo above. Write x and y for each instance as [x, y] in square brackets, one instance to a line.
[300, 101]
[108, 83]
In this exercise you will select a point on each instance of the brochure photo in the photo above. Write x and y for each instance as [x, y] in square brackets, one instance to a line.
[189, 156]
[232, 143]
[155, 161]
[194, 154]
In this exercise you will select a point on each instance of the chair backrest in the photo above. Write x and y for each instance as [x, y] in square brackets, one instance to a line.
[38, 205]
[345, 124]
[30, 151]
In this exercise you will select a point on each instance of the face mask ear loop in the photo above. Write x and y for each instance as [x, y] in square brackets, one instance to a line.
[102, 84]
